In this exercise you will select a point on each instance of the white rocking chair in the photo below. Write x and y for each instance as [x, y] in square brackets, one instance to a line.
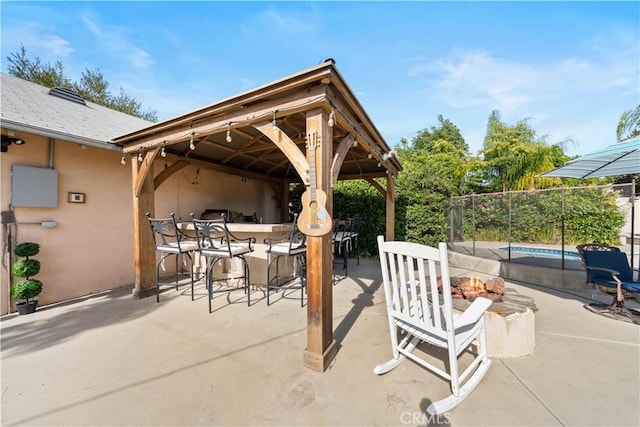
[416, 309]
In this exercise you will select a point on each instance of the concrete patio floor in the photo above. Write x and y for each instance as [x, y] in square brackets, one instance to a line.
[112, 360]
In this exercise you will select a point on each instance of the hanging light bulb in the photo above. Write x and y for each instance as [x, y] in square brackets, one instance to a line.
[273, 122]
[379, 165]
[140, 156]
[123, 161]
[162, 152]
[355, 142]
[332, 119]
[229, 139]
[192, 146]
[369, 156]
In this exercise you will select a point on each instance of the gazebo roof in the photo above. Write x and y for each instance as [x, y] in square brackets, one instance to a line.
[246, 118]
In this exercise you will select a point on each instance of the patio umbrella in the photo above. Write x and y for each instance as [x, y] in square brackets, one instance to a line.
[622, 158]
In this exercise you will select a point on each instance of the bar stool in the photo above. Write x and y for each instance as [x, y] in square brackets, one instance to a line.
[216, 243]
[355, 223]
[169, 240]
[341, 242]
[293, 245]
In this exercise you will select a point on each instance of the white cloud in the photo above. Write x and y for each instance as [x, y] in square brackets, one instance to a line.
[580, 96]
[91, 25]
[139, 58]
[289, 22]
[37, 39]
[114, 40]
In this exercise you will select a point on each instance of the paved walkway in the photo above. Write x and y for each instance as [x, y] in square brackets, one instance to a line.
[112, 360]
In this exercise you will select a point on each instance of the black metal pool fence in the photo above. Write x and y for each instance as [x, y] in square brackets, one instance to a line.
[559, 218]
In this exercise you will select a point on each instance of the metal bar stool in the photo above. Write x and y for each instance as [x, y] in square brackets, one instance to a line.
[341, 241]
[293, 245]
[216, 243]
[170, 241]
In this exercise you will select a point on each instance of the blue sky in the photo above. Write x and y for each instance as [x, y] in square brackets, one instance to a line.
[570, 68]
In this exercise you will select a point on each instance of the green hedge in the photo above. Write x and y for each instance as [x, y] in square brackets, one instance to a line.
[358, 197]
[591, 215]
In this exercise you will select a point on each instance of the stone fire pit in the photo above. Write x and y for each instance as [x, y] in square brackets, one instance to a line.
[510, 320]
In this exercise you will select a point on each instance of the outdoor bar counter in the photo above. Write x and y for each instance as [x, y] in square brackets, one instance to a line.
[258, 259]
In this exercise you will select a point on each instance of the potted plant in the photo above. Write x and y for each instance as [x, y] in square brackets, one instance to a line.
[28, 288]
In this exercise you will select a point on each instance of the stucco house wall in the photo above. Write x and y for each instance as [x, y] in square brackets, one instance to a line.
[90, 249]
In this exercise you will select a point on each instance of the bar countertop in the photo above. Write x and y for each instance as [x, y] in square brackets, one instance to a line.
[245, 227]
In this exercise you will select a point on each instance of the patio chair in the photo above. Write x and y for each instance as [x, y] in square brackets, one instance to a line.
[169, 240]
[293, 245]
[609, 267]
[354, 231]
[216, 243]
[341, 241]
[418, 311]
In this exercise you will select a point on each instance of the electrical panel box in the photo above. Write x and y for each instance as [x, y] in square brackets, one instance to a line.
[34, 187]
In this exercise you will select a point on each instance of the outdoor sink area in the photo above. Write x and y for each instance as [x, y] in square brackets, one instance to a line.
[113, 360]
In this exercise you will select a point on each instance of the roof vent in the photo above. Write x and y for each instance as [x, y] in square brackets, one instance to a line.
[67, 94]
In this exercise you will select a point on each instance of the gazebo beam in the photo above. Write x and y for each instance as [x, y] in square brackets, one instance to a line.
[297, 102]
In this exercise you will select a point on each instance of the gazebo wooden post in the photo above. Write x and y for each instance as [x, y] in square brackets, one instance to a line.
[321, 347]
[143, 249]
[390, 198]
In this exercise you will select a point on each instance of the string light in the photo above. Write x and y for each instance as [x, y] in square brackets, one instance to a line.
[229, 139]
[192, 146]
[355, 142]
[369, 156]
[162, 152]
[332, 119]
[379, 165]
[140, 156]
[273, 122]
[123, 161]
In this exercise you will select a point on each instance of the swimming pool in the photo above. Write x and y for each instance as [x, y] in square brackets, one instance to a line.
[552, 253]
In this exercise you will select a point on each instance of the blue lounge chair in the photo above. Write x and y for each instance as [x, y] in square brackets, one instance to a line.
[609, 267]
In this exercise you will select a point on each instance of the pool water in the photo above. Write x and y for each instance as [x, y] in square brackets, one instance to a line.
[553, 253]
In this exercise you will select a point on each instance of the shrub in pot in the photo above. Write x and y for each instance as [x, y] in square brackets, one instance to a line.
[27, 289]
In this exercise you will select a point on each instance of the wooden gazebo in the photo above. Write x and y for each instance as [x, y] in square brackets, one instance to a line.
[265, 134]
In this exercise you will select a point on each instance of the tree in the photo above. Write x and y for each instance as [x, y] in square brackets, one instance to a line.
[447, 131]
[515, 156]
[629, 124]
[92, 86]
[443, 151]
[437, 165]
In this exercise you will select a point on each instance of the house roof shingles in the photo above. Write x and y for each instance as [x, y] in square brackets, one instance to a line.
[28, 107]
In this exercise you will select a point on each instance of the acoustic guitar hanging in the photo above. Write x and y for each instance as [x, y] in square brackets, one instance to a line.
[314, 220]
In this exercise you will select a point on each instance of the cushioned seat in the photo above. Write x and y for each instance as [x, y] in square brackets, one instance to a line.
[294, 246]
[216, 243]
[608, 266]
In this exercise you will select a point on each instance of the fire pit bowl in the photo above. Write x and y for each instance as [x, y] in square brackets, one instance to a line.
[510, 320]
